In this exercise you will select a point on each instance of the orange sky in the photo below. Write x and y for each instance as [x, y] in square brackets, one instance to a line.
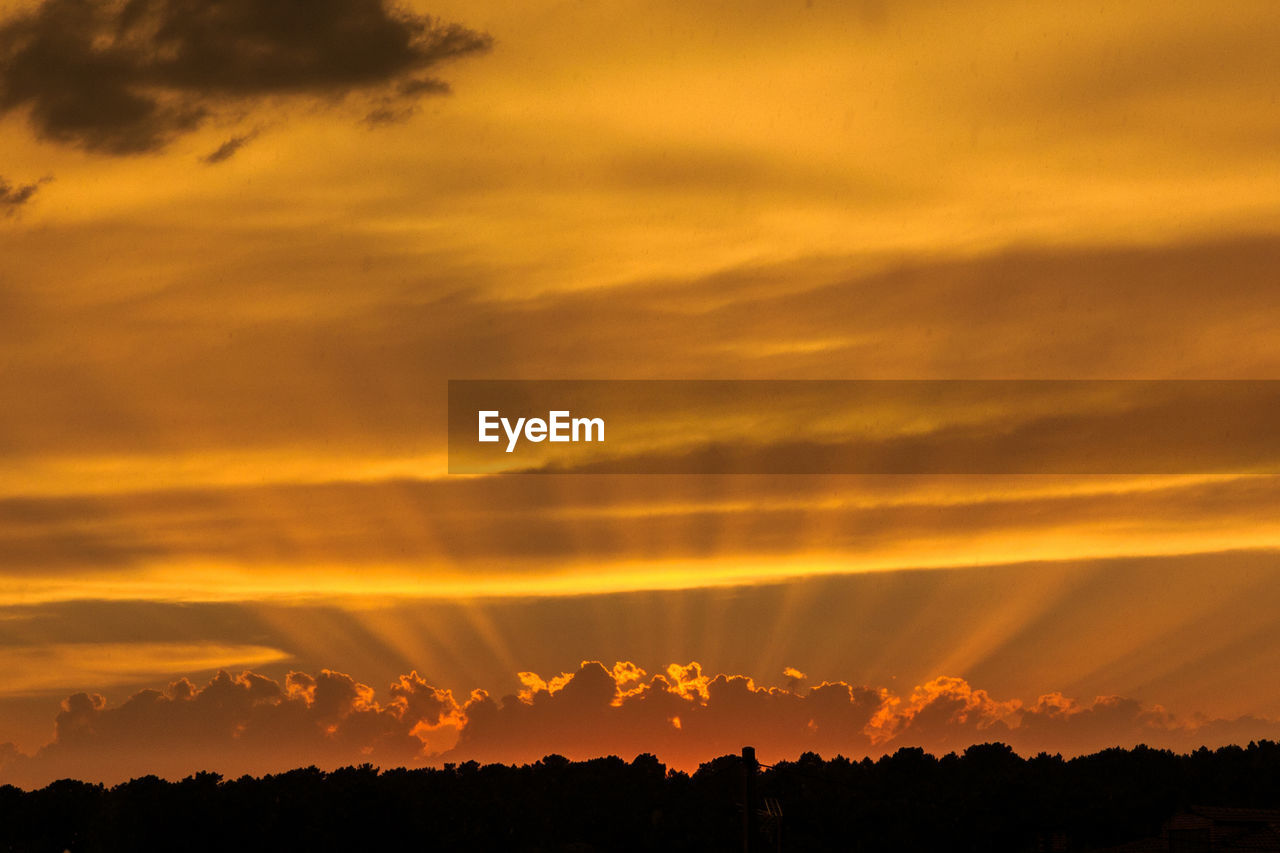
[222, 378]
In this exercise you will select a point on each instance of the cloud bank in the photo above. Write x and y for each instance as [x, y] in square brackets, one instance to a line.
[129, 77]
[253, 724]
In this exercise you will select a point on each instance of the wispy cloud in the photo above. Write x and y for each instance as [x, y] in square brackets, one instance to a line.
[228, 149]
[14, 196]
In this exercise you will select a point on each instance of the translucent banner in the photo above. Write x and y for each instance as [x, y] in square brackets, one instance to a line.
[864, 427]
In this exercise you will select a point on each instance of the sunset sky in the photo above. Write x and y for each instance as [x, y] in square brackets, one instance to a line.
[244, 247]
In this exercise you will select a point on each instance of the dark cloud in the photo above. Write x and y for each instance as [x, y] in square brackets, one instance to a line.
[423, 86]
[127, 77]
[402, 103]
[14, 196]
[250, 723]
[228, 149]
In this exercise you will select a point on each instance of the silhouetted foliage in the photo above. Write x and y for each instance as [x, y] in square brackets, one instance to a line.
[987, 799]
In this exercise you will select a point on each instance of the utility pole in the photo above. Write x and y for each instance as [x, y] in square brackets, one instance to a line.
[749, 768]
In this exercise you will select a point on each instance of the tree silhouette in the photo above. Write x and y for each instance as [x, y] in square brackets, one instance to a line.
[986, 799]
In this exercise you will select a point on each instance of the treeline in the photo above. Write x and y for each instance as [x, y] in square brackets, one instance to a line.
[987, 799]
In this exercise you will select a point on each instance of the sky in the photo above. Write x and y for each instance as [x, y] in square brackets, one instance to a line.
[244, 246]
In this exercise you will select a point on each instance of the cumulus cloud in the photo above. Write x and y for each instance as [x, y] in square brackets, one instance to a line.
[250, 723]
[128, 77]
[244, 723]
